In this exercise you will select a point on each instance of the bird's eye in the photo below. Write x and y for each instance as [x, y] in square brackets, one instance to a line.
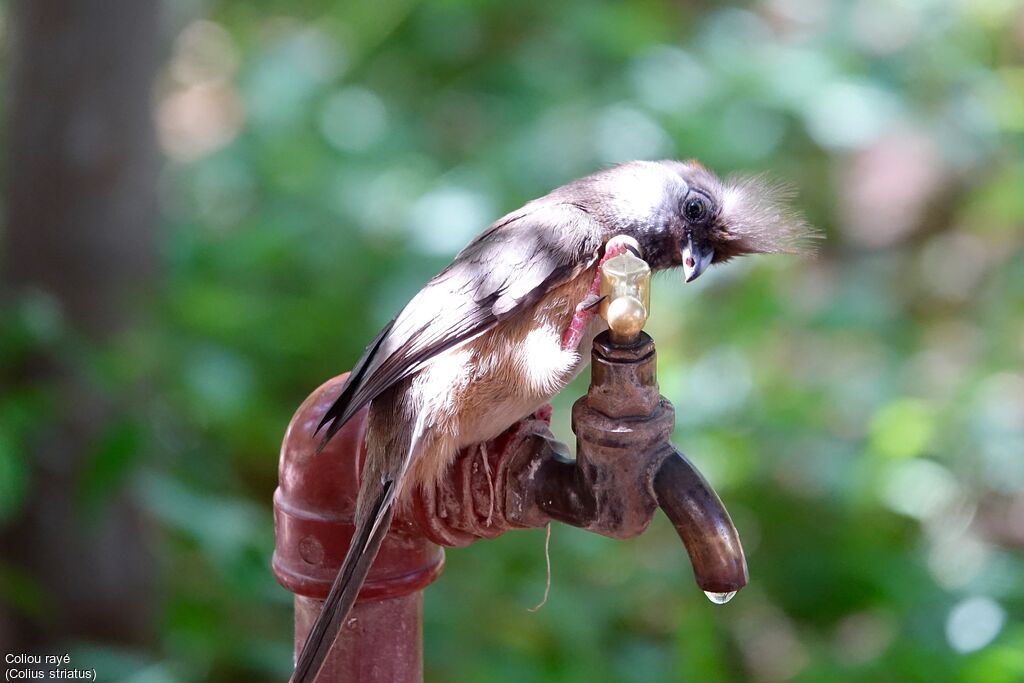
[695, 209]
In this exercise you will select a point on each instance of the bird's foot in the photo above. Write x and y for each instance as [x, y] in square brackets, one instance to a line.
[581, 318]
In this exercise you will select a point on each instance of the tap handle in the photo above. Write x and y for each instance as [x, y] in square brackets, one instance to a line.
[626, 292]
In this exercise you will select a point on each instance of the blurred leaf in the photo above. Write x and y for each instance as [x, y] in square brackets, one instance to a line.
[113, 459]
[902, 429]
[14, 476]
[24, 593]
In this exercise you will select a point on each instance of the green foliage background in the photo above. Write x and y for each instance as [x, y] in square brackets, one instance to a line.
[861, 413]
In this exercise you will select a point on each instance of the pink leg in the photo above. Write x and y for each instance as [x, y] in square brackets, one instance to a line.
[573, 334]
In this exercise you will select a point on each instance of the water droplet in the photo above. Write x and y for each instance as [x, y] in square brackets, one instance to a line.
[719, 598]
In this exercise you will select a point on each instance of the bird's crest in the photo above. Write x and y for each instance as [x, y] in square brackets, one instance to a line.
[757, 218]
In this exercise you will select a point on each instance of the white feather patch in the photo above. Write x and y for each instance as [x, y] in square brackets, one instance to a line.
[543, 362]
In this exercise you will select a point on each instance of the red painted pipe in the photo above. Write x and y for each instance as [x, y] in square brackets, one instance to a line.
[313, 509]
[624, 470]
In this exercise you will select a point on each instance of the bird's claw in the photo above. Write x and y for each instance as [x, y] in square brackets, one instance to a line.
[590, 303]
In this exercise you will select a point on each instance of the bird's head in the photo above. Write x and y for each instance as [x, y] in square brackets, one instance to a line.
[683, 215]
[716, 220]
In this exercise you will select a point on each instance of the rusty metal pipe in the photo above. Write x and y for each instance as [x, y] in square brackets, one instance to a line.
[561, 490]
[314, 507]
[703, 524]
[624, 470]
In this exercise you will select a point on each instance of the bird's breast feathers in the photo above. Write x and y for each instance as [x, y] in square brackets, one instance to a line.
[478, 390]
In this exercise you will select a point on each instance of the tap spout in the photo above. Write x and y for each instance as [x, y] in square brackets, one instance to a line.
[625, 468]
[703, 524]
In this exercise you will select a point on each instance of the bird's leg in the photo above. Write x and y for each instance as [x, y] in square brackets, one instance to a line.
[573, 334]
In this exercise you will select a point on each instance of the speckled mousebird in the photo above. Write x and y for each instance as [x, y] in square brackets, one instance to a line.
[496, 334]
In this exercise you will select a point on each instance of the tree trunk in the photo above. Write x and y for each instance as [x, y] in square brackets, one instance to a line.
[80, 199]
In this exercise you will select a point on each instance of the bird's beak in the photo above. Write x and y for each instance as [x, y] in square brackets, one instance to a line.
[696, 259]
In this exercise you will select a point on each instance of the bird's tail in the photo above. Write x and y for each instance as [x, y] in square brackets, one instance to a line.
[366, 542]
[390, 446]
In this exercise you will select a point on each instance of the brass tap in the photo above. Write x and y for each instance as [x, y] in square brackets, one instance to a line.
[626, 288]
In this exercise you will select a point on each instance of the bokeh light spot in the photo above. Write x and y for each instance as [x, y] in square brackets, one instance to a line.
[902, 429]
[974, 623]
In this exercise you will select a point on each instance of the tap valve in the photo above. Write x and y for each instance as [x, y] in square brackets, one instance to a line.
[625, 466]
[626, 296]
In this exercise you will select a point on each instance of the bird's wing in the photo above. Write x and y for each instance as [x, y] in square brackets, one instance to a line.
[508, 267]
